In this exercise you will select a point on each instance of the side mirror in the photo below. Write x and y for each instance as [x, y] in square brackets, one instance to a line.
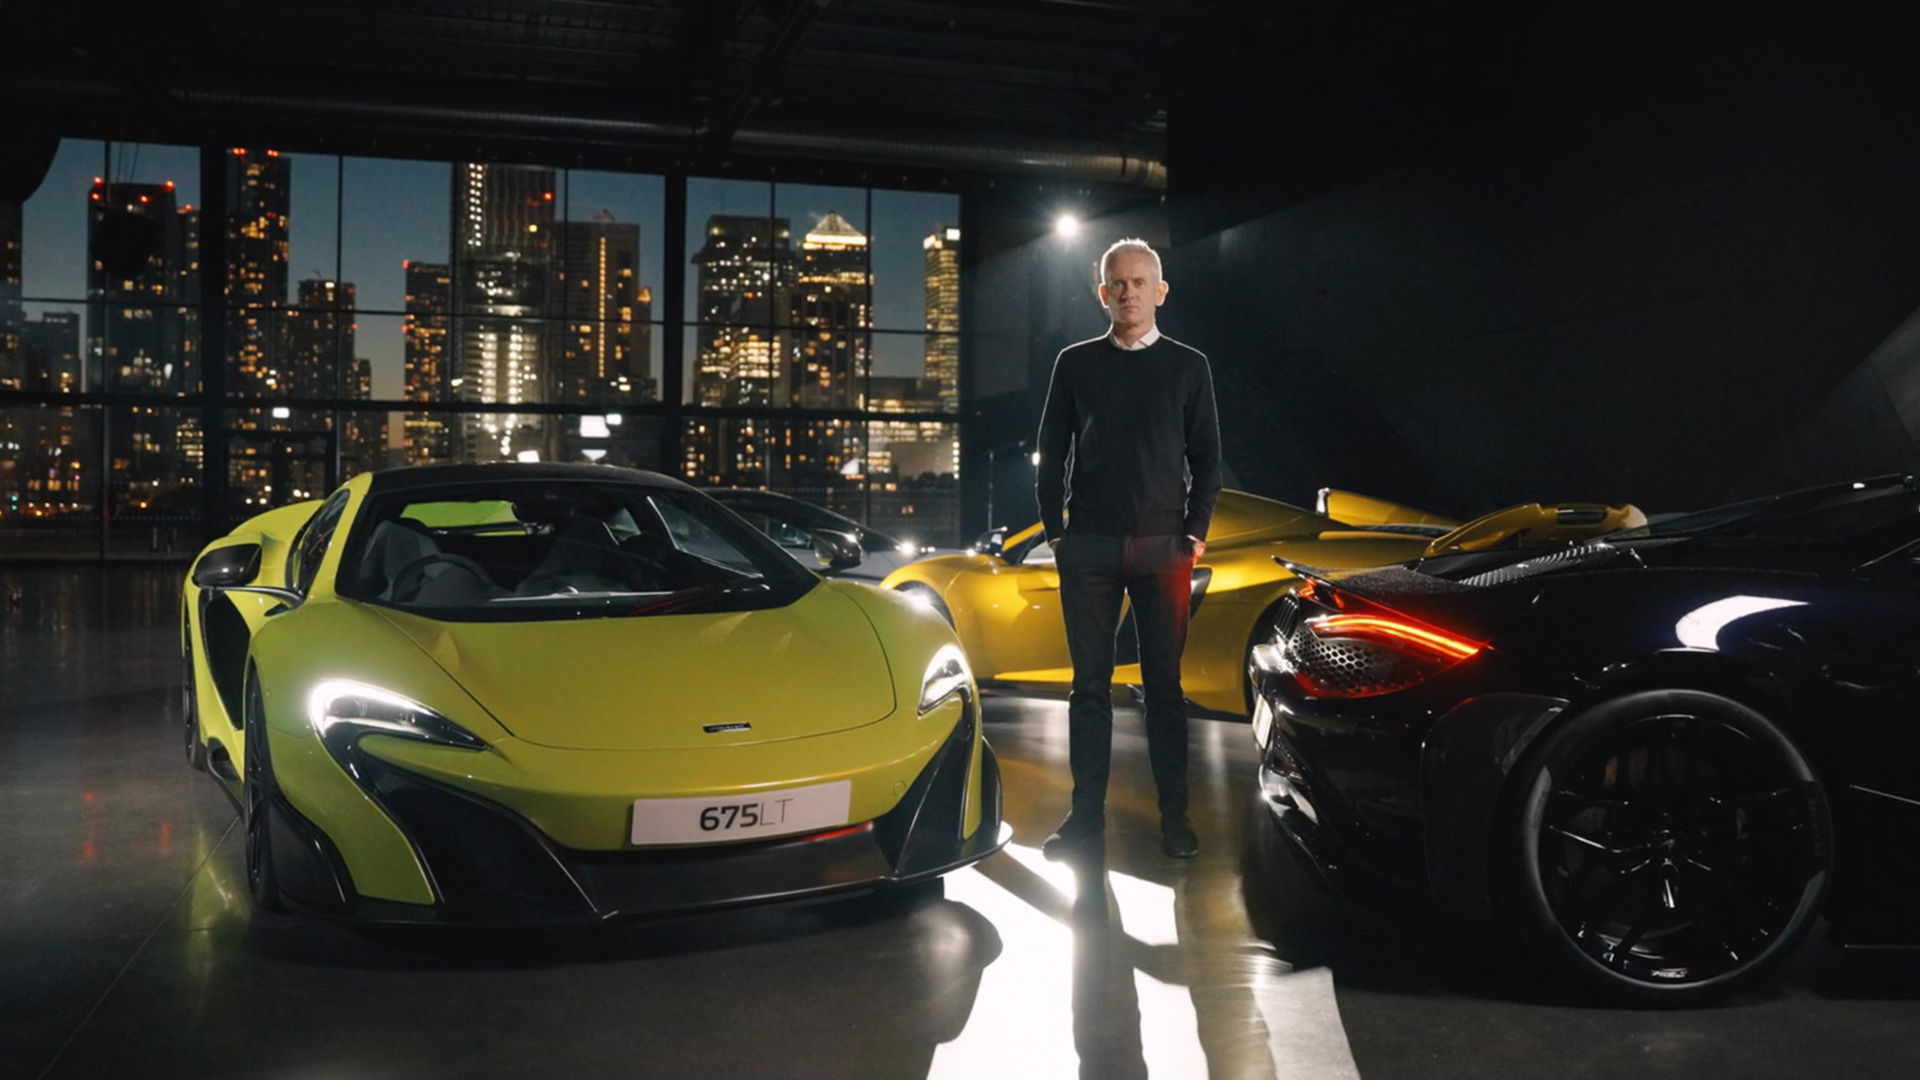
[991, 542]
[227, 567]
[837, 550]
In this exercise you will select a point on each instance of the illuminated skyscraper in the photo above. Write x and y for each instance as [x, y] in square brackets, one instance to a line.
[603, 311]
[13, 359]
[502, 274]
[319, 348]
[742, 301]
[259, 193]
[829, 359]
[136, 335]
[363, 439]
[41, 447]
[429, 299]
[139, 336]
[11, 239]
[943, 314]
[832, 314]
[52, 347]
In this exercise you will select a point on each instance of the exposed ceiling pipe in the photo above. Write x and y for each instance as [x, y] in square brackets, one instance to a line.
[1095, 163]
[1104, 165]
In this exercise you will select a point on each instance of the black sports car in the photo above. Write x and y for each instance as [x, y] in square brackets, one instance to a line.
[1657, 756]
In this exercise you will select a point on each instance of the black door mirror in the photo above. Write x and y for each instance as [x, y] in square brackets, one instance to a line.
[837, 550]
[991, 542]
[227, 567]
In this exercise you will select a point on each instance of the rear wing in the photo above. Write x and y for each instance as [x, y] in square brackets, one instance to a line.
[1534, 525]
[1353, 508]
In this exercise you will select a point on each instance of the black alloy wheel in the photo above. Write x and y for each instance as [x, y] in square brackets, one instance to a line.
[256, 795]
[190, 716]
[1670, 847]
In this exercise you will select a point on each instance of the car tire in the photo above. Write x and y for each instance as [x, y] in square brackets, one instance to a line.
[1664, 848]
[923, 594]
[190, 716]
[257, 790]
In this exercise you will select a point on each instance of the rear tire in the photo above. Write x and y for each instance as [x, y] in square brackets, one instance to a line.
[257, 792]
[1663, 849]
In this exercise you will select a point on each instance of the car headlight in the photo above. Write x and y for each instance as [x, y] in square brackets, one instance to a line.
[947, 675]
[343, 710]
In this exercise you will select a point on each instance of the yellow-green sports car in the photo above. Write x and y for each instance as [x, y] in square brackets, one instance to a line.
[1003, 598]
[503, 693]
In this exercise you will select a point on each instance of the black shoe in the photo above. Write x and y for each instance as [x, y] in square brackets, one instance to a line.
[1177, 838]
[1081, 833]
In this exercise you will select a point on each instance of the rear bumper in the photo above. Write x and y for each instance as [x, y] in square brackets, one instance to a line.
[489, 865]
[1398, 792]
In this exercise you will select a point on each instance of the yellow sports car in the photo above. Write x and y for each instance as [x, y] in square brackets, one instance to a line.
[549, 693]
[1002, 598]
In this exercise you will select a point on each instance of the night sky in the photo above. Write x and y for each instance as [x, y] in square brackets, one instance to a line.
[397, 210]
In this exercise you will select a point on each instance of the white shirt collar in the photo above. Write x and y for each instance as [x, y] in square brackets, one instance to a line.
[1152, 335]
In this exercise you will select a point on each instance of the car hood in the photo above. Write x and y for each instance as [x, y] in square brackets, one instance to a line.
[659, 682]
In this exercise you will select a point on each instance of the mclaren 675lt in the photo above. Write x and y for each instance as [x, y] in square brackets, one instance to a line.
[1656, 756]
[503, 693]
[1003, 597]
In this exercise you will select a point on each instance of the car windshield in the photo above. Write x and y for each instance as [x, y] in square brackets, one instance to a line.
[554, 549]
[1824, 513]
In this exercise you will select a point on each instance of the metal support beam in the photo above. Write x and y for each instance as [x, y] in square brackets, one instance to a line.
[673, 292]
[213, 337]
[764, 81]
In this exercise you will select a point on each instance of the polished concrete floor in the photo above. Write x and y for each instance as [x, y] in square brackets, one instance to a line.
[128, 947]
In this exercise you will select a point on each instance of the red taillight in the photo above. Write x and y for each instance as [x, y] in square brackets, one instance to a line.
[1363, 654]
[1393, 632]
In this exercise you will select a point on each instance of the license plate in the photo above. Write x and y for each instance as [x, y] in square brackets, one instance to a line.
[715, 819]
[1262, 721]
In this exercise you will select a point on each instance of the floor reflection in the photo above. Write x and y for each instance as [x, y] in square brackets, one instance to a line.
[1107, 974]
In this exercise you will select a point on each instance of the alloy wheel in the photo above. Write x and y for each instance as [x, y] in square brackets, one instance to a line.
[1679, 848]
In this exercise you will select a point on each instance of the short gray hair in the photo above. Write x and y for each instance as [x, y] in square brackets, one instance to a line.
[1131, 243]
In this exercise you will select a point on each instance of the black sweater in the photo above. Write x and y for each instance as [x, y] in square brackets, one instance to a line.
[1129, 441]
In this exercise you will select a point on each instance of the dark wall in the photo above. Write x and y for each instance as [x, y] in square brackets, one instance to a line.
[1638, 261]
[1032, 294]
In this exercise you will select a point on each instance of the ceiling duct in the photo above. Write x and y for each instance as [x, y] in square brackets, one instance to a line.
[1095, 164]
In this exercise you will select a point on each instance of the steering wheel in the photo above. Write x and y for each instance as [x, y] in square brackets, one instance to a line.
[407, 583]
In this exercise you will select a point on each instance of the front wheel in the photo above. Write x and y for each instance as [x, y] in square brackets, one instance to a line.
[1665, 848]
[257, 793]
[190, 716]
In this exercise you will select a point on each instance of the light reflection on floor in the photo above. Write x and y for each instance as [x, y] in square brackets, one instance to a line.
[1121, 962]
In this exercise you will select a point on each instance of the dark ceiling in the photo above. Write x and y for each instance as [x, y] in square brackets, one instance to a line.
[1071, 88]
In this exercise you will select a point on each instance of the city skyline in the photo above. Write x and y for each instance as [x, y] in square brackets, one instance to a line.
[516, 301]
[397, 211]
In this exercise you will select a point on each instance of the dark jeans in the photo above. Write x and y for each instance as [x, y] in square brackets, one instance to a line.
[1155, 573]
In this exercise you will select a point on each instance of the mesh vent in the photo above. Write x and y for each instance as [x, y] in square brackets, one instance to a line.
[1350, 668]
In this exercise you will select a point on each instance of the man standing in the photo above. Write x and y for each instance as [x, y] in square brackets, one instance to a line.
[1129, 472]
